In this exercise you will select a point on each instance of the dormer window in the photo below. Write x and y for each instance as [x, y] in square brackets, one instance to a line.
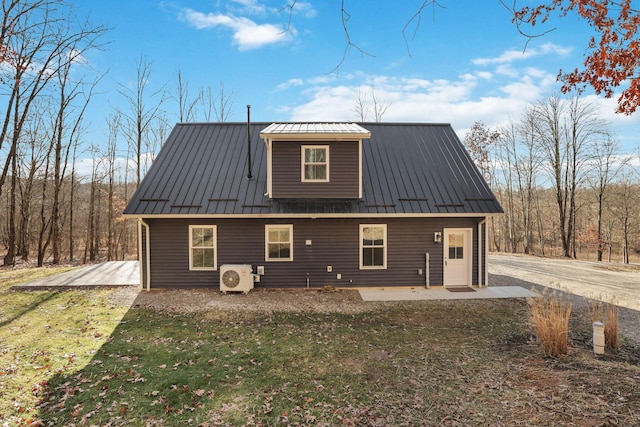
[299, 165]
[315, 163]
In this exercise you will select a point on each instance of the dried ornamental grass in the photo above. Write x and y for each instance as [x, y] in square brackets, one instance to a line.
[551, 320]
[607, 313]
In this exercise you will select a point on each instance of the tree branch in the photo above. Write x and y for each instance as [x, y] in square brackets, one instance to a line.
[417, 16]
[346, 16]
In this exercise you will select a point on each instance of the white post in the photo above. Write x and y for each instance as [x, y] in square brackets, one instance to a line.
[483, 254]
[426, 270]
[486, 253]
[598, 337]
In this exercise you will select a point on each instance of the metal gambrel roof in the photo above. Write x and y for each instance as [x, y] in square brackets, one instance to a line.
[407, 168]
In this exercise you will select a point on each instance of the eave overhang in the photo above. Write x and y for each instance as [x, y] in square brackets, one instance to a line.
[320, 215]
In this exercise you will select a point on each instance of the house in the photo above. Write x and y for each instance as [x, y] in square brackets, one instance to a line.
[313, 204]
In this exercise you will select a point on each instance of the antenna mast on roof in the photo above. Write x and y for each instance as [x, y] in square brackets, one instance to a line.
[249, 175]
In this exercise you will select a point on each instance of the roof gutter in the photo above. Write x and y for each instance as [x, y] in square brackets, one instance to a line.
[318, 215]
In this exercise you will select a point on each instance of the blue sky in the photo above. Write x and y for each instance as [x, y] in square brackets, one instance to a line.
[466, 62]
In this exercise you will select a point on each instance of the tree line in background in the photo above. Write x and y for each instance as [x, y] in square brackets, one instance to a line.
[48, 211]
[558, 172]
[565, 186]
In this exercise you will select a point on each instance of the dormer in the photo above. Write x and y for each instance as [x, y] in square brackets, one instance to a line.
[314, 160]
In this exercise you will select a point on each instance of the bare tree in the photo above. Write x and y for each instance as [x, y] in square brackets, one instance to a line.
[92, 240]
[212, 106]
[606, 166]
[66, 129]
[144, 108]
[566, 134]
[479, 142]
[519, 164]
[527, 167]
[114, 126]
[186, 105]
[31, 160]
[207, 101]
[362, 105]
[626, 210]
[223, 104]
[507, 159]
[41, 39]
[44, 233]
[379, 107]
[72, 194]
[584, 131]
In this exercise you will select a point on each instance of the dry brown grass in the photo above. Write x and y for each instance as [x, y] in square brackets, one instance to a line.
[551, 320]
[607, 313]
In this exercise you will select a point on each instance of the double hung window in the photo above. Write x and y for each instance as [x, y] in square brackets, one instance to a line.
[279, 242]
[315, 163]
[202, 247]
[373, 246]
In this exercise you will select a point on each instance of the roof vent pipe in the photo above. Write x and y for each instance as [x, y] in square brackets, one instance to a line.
[249, 175]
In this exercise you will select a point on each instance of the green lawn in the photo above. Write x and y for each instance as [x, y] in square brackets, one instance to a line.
[72, 358]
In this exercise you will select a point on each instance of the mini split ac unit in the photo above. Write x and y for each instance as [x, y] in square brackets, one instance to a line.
[236, 278]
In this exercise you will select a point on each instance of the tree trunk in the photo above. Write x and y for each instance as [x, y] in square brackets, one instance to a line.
[10, 257]
[71, 203]
[88, 247]
[599, 226]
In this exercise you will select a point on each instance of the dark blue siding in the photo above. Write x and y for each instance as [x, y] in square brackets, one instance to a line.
[334, 242]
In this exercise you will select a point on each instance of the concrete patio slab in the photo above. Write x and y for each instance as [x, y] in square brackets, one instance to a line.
[440, 293]
[112, 273]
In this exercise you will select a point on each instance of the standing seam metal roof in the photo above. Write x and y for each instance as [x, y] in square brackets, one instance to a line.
[408, 168]
[314, 128]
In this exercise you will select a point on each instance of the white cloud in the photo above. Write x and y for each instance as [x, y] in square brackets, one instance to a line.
[485, 75]
[290, 83]
[247, 34]
[251, 6]
[507, 70]
[305, 9]
[494, 96]
[510, 56]
[460, 101]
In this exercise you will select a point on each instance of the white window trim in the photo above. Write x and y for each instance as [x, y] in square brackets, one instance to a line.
[361, 246]
[215, 248]
[303, 163]
[267, 227]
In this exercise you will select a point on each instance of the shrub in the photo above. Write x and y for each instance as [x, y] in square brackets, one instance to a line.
[551, 321]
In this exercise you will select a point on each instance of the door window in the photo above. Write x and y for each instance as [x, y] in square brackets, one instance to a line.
[456, 246]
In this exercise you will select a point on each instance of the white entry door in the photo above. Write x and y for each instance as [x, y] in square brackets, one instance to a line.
[457, 257]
